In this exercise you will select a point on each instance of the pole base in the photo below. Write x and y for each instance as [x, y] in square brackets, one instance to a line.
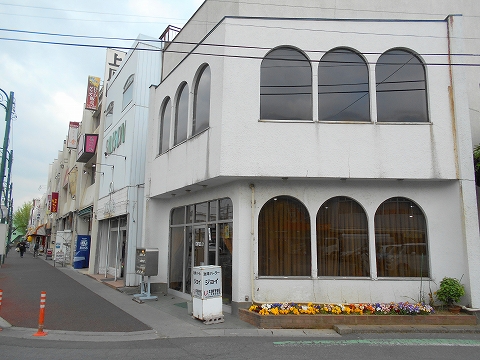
[40, 333]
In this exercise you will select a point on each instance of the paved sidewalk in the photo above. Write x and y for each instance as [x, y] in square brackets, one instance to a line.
[81, 308]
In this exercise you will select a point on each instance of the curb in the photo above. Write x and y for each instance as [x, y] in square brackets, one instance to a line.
[384, 329]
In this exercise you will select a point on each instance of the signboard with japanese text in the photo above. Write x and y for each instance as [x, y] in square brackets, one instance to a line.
[54, 202]
[93, 87]
[112, 64]
[73, 135]
[207, 282]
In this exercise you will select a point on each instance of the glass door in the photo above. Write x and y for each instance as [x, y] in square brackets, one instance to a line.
[199, 258]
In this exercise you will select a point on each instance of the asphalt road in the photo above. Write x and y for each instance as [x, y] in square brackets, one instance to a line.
[359, 347]
[69, 305]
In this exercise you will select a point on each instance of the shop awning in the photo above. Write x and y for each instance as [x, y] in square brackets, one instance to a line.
[39, 230]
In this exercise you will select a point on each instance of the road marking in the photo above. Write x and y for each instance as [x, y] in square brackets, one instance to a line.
[384, 342]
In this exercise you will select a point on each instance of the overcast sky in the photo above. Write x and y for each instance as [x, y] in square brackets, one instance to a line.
[50, 80]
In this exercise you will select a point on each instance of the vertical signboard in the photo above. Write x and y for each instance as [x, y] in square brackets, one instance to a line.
[73, 135]
[82, 252]
[54, 202]
[92, 93]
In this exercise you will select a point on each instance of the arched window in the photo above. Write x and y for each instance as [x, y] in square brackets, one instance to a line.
[181, 114]
[342, 238]
[128, 91]
[401, 239]
[343, 87]
[109, 114]
[201, 101]
[285, 86]
[165, 117]
[284, 247]
[401, 88]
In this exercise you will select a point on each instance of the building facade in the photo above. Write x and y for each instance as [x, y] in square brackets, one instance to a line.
[120, 163]
[321, 160]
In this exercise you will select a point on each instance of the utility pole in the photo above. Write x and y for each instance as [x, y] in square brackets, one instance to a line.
[8, 118]
[6, 202]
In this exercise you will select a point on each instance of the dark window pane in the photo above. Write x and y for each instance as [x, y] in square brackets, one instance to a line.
[190, 212]
[201, 212]
[286, 86]
[342, 239]
[401, 239]
[343, 87]
[284, 247]
[401, 88]
[201, 106]
[188, 262]
[178, 216]
[225, 209]
[225, 248]
[165, 127]
[176, 259]
[181, 115]
[212, 212]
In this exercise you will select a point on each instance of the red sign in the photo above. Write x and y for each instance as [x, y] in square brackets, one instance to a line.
[92, 93]
[54, 205]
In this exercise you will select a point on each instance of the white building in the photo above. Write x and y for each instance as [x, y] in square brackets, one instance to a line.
[120, 168]
[314, 159]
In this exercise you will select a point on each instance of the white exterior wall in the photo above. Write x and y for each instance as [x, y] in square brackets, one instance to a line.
[121, 186]
[315, 156]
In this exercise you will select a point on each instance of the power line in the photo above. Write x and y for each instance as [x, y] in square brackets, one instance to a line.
[85, 12]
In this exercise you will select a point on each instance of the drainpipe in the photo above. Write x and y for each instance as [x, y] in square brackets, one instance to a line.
[252, 240]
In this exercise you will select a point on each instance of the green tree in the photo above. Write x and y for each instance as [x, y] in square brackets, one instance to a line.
[21, 216]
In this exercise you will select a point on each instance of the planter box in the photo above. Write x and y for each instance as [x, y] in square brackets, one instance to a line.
[327, 321]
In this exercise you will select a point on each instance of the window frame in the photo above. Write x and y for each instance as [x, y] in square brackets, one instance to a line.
[268, 248]
[127, 97]
[407, 103]
[342, 90]
[266, 105]
[167, 102]
[197, 87]
[183, 90]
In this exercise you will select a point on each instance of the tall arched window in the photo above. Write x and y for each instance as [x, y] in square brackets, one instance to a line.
[165, 118]
[284, 247]
[342, 239]
[128, 91]
[401, 239]
[285, 86]
[181, 114]
[201, 101]
[343, 87]
[401, 87]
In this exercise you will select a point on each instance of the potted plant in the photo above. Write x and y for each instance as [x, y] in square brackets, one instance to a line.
[450, 292]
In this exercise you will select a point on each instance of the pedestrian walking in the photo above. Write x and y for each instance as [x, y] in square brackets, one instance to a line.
[22, 247]
[36, 247]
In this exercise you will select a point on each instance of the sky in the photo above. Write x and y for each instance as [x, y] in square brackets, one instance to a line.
[49, 81]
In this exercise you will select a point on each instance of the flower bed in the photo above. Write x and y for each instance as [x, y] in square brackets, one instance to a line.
[328, 316]
[401, 308]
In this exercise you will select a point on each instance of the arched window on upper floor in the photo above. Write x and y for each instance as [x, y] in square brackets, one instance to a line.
[285, 86]
[401, 239]
[109, 114]
[165, 118]
[284, 247]
[181, 114]
[128, 91]
[401, 87]
[343, 87]
[201, 101]
[342, 238]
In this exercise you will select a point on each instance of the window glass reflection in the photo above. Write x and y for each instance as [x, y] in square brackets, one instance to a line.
[165, 127]
[401, 239]
[181, 115]
[342, 239]
[343, 87]
[201, 107]
[286, 86]
[401, 88]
